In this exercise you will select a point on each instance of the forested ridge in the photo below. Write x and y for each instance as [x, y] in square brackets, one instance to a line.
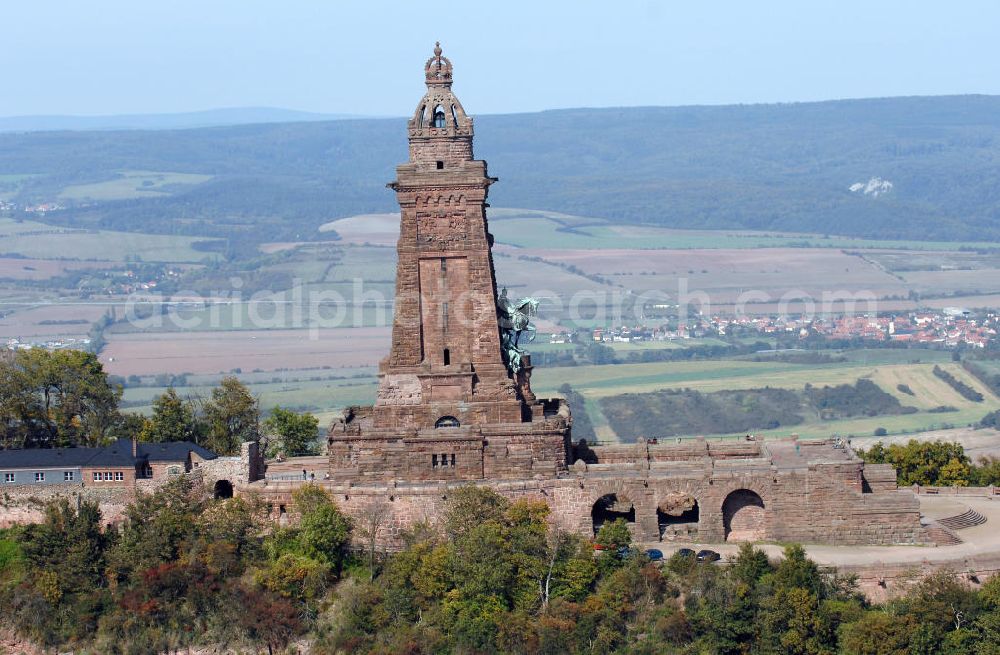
[765, 167]
[492, 577]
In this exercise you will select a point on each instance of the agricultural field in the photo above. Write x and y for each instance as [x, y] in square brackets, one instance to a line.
[50, 321]
[38, 240]
[280, 341]
[597, 382]
[965, 282]
[569, 254]
[323, 397]
[17, 268]
[526, 228]
[725, 274]
[366, 229]
[132, 184]
[898, 262]
[326, 390]
[215, 351]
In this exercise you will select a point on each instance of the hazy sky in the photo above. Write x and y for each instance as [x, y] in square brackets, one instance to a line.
[366, 56]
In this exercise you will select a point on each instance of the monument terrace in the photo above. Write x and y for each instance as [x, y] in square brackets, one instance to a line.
[455, 406]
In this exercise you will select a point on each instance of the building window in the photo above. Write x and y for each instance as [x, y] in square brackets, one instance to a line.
[107, 476]
[39, 477]
[447, 422]
[447, 357]
[434, 461]
[68, 476]
[119, 476]
[439, 117]
[8, 477]
[440, 165]
[173, 470]
[444, 317]
[97, 476]
[453, 460]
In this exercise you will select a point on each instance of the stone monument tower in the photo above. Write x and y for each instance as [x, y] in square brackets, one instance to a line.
[451, 402]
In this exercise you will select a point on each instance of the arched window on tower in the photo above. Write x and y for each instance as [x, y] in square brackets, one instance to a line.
[439, 116]
[447, 422]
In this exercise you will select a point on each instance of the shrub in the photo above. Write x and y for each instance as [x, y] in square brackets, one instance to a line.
[962, 388]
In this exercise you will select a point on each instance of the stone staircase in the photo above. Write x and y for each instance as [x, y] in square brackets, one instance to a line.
[944, 532]
[966, 519]
[942, 536]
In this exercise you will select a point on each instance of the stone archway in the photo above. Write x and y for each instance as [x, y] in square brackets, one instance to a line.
[610, 507]
[677, 517]
[743, 516]
[223, 489]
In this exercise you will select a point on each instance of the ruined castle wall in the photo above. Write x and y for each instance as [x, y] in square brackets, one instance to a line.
[801, 506]
[24, 504]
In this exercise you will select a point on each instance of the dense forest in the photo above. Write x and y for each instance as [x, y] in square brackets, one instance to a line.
[493, 577]
[673, 412]
[764, 167]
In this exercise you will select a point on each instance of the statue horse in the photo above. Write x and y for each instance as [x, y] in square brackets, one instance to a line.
[514, 319]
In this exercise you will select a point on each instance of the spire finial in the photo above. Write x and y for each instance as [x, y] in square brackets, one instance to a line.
[438, 68]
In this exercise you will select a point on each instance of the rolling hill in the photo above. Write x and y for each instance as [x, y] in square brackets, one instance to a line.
[920, 168]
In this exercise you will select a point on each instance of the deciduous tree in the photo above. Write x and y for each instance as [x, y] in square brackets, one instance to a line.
[290, 433]
[232, 416]
[55, 398]
[173, 419]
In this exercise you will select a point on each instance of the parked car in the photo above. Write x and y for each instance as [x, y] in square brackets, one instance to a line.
[598, 546]
[654, 554]
[708, 556]
[685, 552]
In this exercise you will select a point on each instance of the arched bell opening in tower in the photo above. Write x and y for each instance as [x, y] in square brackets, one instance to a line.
[439, 117]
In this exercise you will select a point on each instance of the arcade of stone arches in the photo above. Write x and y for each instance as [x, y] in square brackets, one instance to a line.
[678, 515]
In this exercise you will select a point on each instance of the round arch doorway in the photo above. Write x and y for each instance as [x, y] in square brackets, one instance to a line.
[743, 516]
[223, 489]
[611, 507]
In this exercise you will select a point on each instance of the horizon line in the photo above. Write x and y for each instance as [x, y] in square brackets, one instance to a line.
[336, 115]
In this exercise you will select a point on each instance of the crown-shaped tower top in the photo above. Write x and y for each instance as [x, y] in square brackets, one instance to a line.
[438, 69]
[440, 115]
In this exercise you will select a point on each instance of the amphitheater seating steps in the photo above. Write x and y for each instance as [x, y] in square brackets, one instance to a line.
[966, 519]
